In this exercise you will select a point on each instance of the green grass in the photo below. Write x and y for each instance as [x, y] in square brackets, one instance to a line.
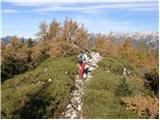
[100, 99]
[22, 97]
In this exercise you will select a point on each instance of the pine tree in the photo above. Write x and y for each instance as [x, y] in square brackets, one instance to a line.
[30, 43]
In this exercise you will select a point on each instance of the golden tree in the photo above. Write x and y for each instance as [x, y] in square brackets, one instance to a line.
[75, 34]
[54, 29]
[3, 46]
[11, 48]
[151, 61]
[125, 49]
[22, 54]
[69, 29]
[40, 50]
[100, 44]
[70, 39]
[43, 31]
[81, 38]
[16, 50]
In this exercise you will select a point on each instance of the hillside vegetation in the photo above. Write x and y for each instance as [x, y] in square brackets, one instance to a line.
[37, 76]
[110, 94]
[26, 96]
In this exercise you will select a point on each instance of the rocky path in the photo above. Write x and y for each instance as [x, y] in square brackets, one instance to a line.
[74, 108]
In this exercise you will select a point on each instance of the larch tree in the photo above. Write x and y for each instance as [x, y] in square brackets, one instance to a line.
[81, 38]
[71, 38]
[40, 50]
[3, 46]
[152, 60]
[100, 44]
[111, 47]
[69, 30]
[43, 31]
[11, 48]
[54, 29]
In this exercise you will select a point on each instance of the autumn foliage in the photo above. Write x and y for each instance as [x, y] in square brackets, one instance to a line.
[60, 40]
[56, 39]
[145, 107]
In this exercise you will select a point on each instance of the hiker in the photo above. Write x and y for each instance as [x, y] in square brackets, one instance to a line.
[81, 64]
[82, 60]
[88, 69]
[86, 62]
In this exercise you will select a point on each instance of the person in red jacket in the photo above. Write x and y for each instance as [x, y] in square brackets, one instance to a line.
[82, 61]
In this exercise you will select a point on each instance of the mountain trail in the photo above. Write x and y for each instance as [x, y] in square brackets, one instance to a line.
[74, 108]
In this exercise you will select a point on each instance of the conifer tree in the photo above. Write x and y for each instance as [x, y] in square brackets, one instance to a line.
[100, 44]
[54, 29]
[30, 43]
[43, 31]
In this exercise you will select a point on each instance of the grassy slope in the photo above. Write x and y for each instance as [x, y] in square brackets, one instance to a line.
[100, 100]
[24, 97]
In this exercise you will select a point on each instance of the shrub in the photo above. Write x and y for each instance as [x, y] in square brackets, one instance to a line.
[122, 88]
[11, 67]
[33, 99]
[115, 65]
[152, 81]
[146, 107]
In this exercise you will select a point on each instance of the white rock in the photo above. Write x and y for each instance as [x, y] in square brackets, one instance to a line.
[69, 106]
[66, 72]
[79, 101]
[74, 115]
[42, 82]
[38, 82]
[124, 71]
[79, 107]
[91, 76]
[91, 68]
[67, 115]
[49, 80]
[84, 75]
[45, 69]
[129, 72]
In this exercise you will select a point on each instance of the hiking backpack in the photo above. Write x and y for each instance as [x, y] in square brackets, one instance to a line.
[80, 58]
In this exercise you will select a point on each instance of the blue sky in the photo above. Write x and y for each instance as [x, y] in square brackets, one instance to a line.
[22, 17]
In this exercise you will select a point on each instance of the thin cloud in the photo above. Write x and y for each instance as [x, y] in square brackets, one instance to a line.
[104, 26]
[9, 11]
[89, 7]
[74, 1]
[93, 8]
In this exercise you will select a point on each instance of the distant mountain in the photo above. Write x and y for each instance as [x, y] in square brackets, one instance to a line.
[150, 39]
[6, 39]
